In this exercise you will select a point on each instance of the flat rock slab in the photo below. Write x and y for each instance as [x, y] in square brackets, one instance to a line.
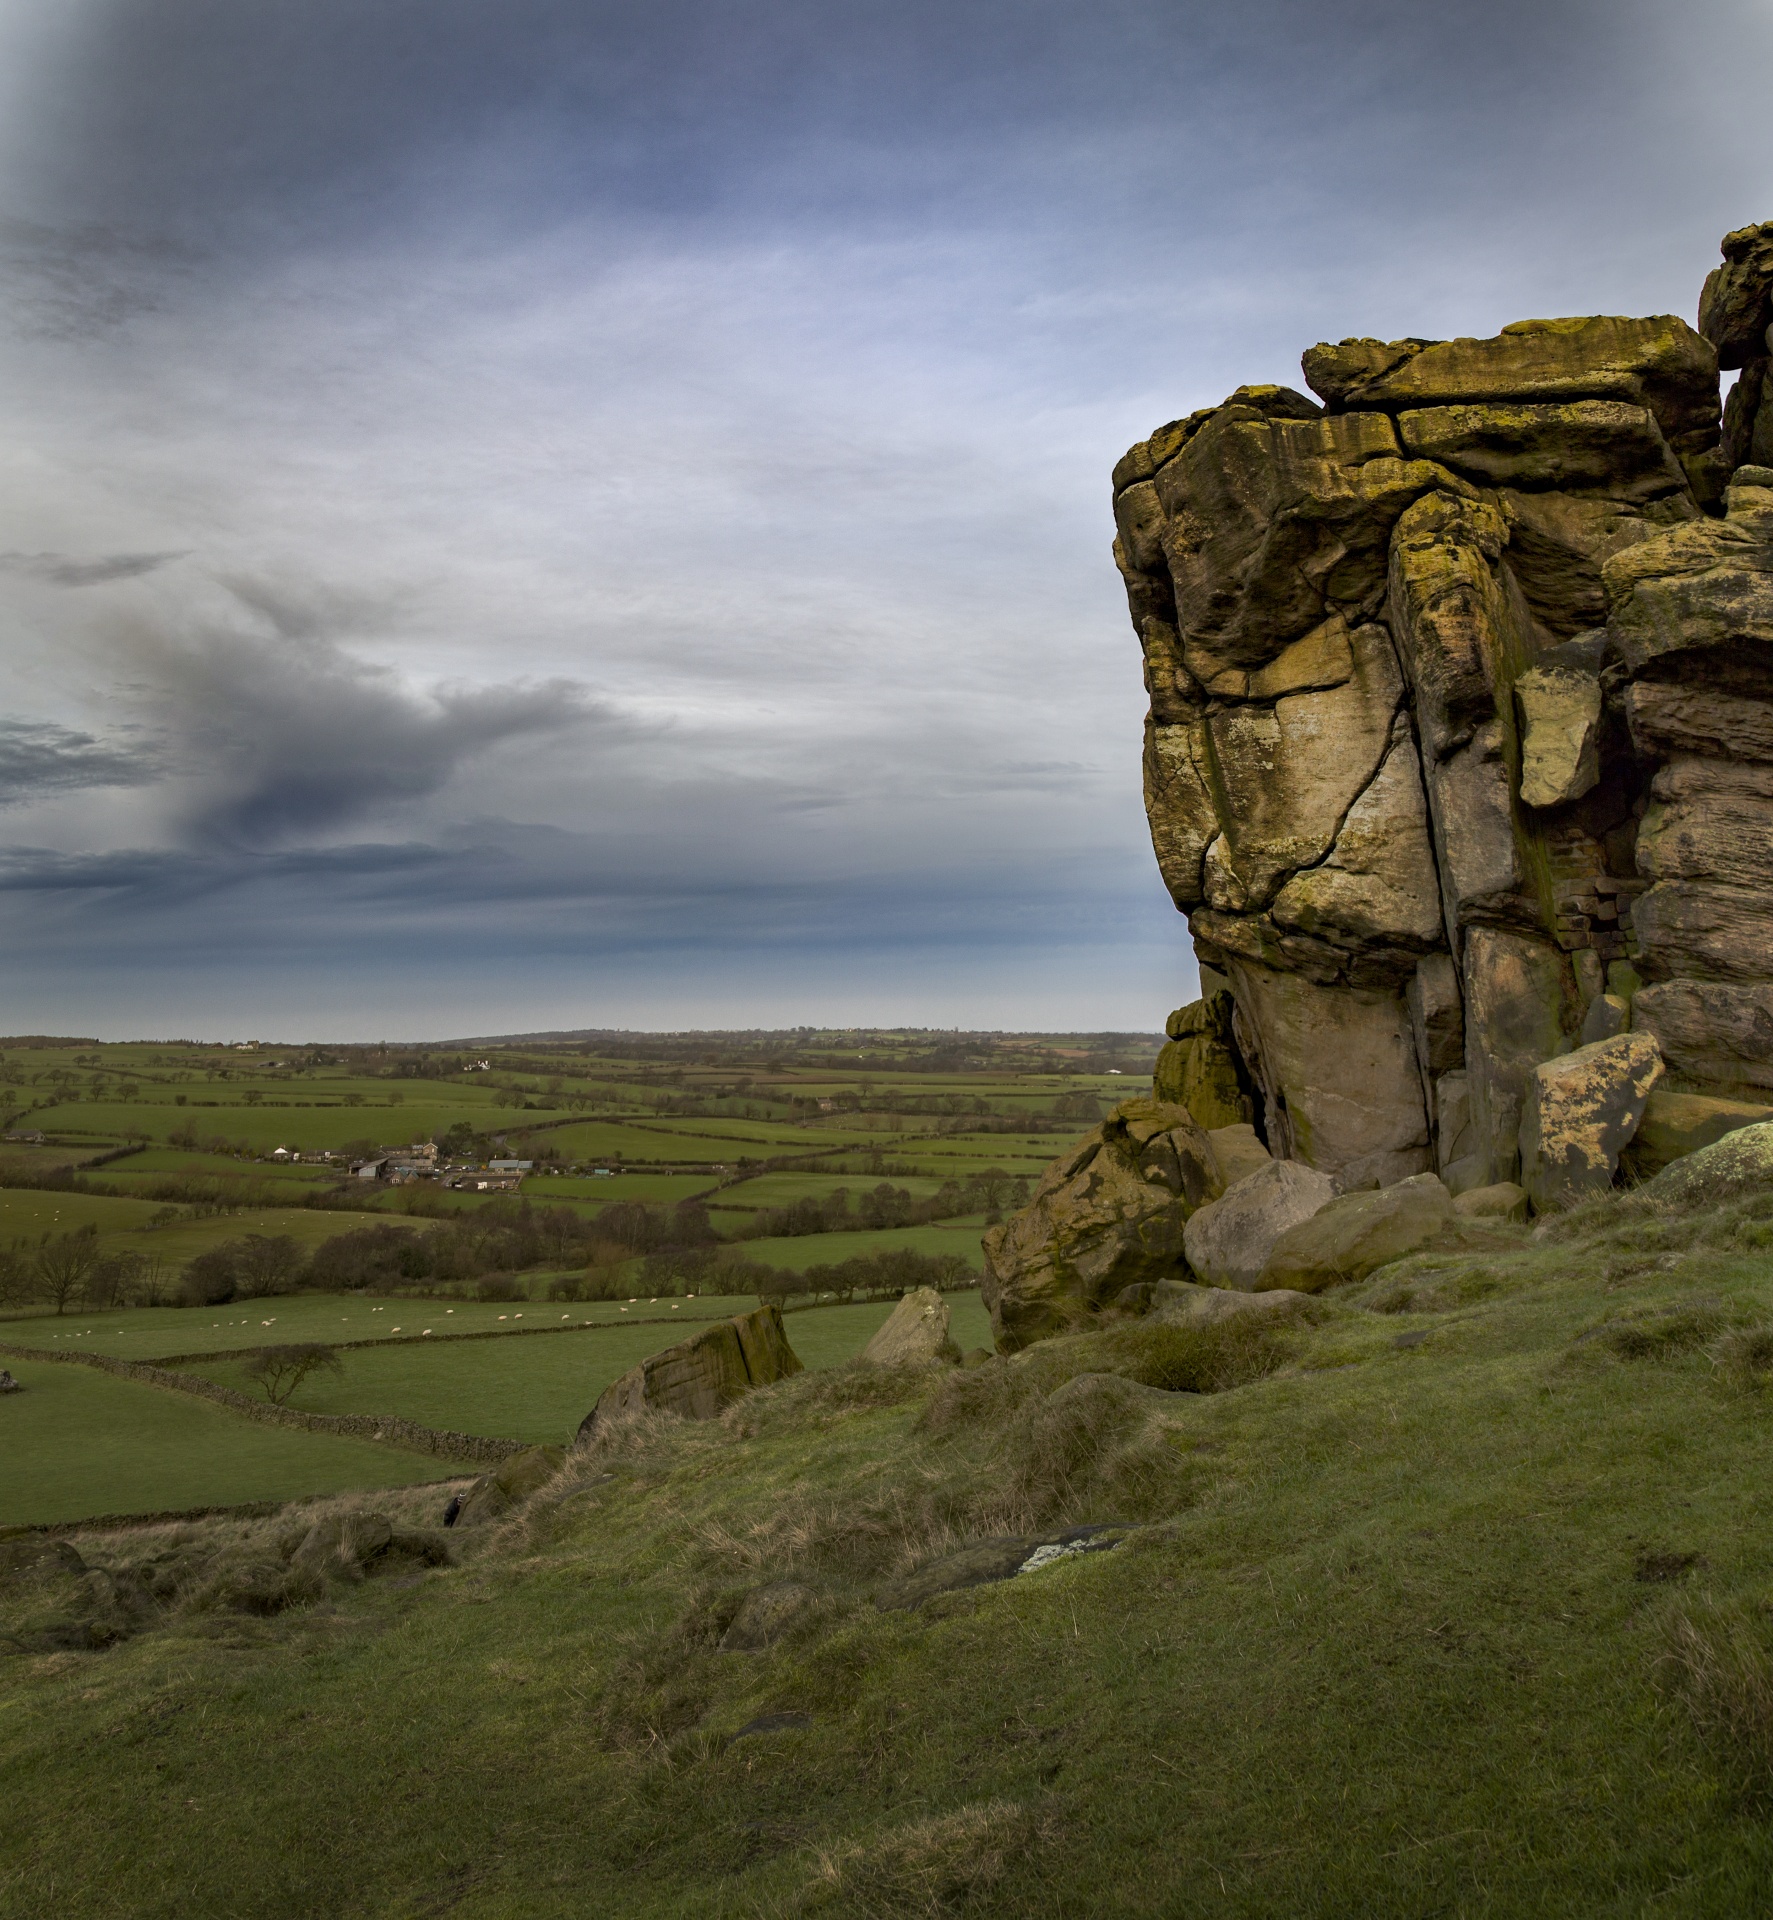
[1000, 1558]
[1175, 1303]
[1677, 1124]
[699, 1378]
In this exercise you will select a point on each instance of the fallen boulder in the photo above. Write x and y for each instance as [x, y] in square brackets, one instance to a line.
[1503, 1201]
[700, 1377]
[1107, 1215]
[1358, 1234]
[513, 1480]
[1228, 1242]
[1582, 1110]
[1179, 1303]
[1741, 1162]
[1237, 1153]
[765, 1614]
[340, 1546]
[914, 1334]
[1677, 1124]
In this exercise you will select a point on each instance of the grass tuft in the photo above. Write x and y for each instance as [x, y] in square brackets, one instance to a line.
[1717, 1662]
[946, 1864]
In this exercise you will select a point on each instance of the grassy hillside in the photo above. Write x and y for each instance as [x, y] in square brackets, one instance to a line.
[1452, 1597]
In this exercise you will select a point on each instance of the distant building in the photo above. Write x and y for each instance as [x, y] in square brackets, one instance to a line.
[369, 1169]
[283, 1153]
[601, 1173]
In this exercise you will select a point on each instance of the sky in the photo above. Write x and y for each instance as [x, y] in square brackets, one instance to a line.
[526, 514]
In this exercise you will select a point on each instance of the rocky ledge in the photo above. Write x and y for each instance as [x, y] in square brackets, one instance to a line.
[1460, 763]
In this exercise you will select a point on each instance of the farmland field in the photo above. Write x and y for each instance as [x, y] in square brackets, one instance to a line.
[540, 1389]
[77, 1443]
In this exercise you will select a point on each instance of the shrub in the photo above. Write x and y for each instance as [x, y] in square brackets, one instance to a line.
[499, 1286]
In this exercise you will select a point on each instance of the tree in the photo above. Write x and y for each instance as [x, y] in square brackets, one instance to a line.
[265, 1265]
[280, 1370]
[64, 1266]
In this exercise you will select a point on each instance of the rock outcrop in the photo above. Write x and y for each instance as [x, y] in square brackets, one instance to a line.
[1107, 1215]
[1459, 761]
[1461, 681]
[702, 1376]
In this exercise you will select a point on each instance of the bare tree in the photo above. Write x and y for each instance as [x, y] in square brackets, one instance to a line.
[64, 1266]
[280, 1370]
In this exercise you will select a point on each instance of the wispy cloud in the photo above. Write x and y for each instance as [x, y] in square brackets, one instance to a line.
[62, 570]
[38, 758]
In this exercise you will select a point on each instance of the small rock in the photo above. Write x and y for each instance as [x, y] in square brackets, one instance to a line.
[1607, 1015]
[513, 1480]
[976, 1357]
[1582, 1110]
[7, 1383]
[1178, 1304]
[1358, 1234]
[786, 1722]
[338, 1547]
[1228, 1241]
[700, 1377]
[765, 1614]
[1503, 1201]
[984, 1561]
[915, 1333]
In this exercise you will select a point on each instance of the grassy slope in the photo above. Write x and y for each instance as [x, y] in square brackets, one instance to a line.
[1389, 1646]
[77, 1443]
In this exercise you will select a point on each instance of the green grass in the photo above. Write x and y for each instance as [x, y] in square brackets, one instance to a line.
[1437, 1628]
[31, 1212]
[542, 1389]
[326, 1123]
[77, 1442]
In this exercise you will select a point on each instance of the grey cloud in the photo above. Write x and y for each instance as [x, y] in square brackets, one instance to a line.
[61, 570]
[38, 758]
[298, 736]
[80, 281]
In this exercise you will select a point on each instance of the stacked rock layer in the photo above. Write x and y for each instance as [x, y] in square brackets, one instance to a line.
[1460, 747]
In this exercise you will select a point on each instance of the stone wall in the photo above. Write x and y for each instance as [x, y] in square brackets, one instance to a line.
[1461, 681]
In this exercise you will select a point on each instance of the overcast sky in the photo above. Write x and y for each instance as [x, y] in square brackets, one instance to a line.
[522, 513]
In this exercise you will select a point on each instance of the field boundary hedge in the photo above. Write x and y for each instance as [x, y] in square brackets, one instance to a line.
[391, 1429]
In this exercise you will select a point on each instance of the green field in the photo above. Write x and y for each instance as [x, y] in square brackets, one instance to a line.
[541, 1389]
[148, 1333]
[77, 1442]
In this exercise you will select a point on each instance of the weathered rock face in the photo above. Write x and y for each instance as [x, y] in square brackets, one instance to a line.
[1357, 1234]
[1462, 721]
[701, 1376]
[1107, 1215]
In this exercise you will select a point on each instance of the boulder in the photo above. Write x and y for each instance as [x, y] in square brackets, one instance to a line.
[1740, 1163]
[1237, 1153]
[1228, 1242]
[1584, 1108]
[1504, 1201]
[1107, 1215]
[1357, 1234]
[1560, 734]
[511, 1482]
[340, 1546]
[1179, 1303]
[914, 1334]
[1677, 1124]
[700, 1377]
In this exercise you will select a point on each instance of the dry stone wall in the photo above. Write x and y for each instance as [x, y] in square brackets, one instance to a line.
[1461, 681]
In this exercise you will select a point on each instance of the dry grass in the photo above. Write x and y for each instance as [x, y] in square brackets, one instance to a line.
[1718, 1663]
[946, 1864]
[1744, 1358]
